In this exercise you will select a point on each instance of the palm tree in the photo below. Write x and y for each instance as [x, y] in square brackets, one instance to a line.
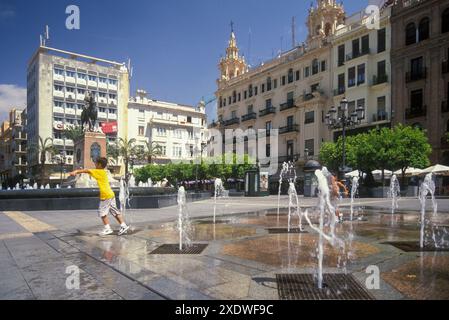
[43, 148]
[74, 133]
[127, 150]
[150, 151]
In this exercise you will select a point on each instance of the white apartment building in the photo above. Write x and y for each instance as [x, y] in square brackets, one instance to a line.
[180, 130]
[57, 82]
[291, 93]
[361, 69]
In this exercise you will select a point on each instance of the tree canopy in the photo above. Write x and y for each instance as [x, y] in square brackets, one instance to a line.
[206, 170]
[398, 148]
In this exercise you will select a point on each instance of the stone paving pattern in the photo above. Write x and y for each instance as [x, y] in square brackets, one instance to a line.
[240, 262]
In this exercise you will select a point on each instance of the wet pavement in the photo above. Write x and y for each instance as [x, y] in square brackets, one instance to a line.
[241, 259]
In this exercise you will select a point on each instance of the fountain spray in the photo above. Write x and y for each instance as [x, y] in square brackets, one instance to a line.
[293, 203]
[284, 170]
[354, 191]
[218, 192]
[184, 225]
[428, 186]
[394, 193]
[124, 198]
[325, 206]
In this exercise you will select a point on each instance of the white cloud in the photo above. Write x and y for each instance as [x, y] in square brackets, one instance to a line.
[11, 96]
[6, 12]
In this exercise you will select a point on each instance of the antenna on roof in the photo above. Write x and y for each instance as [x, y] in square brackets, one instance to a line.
[47, 33]
[293, 32]
[45, 37]
[130, 69]
[249, 47]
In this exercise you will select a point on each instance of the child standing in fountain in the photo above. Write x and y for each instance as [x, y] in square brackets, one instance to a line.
[107, 197]
[335, 195]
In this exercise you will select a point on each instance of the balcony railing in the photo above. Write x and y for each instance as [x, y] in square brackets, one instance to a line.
[231, 122]
[267, 111]
[445, 67]
[415, 76]
[444, 107]
[339, 91]
[289, 128]
[308, 96]
[288, 105]
[379, 79]
[249, 116]
[412, 113]
[357, 55]
[380, 116]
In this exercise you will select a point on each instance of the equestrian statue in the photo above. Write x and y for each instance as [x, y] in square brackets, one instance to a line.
[89, 115]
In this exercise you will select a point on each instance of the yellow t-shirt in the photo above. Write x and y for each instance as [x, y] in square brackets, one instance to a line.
[101, 176]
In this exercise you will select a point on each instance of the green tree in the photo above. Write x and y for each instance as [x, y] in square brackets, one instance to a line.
[176, 172]
[398, 148]
[43, 149]
[125, 149]
[410, 148]
[329, 156]
[73, 133]
[150, 151]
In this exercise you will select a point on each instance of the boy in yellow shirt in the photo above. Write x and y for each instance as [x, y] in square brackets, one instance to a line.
[107, 197]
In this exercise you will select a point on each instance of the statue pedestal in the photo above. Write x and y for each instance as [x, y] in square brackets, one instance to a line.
[89, 148]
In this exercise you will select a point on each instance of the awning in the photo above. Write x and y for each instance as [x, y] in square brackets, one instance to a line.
[437, 170]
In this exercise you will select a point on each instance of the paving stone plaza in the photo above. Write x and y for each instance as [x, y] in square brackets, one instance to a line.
[244, 255]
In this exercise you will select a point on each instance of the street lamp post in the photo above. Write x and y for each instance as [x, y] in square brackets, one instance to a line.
[201, 149]
[343, 120]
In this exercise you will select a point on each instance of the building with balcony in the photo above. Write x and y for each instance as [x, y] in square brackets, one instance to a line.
[419, 63]
[291, 92]
[361, 69]
[57, 83]
[13, 148]
[180, 130]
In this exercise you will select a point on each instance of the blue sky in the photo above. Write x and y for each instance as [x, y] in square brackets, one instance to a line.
[174, 45]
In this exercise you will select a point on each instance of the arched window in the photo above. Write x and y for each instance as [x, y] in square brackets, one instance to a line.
[423, 29]
[269, 84]
[290, 75]
[315, 66]
[410, 34]
[445, 21]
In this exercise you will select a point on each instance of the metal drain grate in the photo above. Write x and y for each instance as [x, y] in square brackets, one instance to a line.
[414, 246]
[275, 215]
[336, 287]
[212, 222]
[174, 249]
[284, 230]
[355, 219]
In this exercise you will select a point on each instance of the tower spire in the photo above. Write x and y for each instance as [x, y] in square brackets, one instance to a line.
[323, 20]
[233, 64]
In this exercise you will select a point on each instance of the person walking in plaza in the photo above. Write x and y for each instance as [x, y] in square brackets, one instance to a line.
[108, 204]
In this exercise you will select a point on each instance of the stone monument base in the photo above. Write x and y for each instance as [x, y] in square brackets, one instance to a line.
[89, 148]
